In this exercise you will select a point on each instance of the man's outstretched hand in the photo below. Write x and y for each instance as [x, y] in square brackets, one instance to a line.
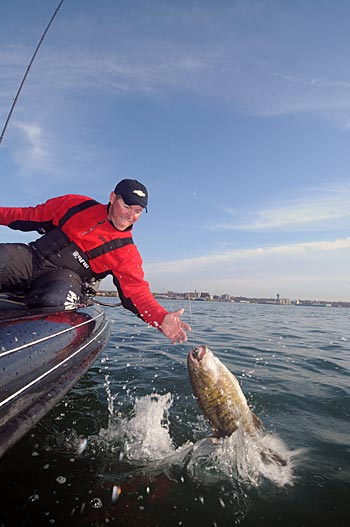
[174, 328]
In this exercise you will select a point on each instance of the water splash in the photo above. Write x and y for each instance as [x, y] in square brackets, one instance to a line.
[241, 458]
[145, 437]
[256, 458]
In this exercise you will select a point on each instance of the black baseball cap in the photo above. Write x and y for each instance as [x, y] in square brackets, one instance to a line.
[132, 192]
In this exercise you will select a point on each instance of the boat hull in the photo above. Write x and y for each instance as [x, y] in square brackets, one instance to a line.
[43, 353]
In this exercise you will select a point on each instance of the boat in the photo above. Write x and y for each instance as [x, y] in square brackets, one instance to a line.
[43, 353]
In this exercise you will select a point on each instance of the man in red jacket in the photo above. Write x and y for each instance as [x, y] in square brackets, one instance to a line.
[83, 241]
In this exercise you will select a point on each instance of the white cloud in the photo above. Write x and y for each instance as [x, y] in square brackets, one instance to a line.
[232, 63]
[292, 250]
[110, 73]
[319, 209]
[34, 136]
[32, 152]
[313, 82]
[301, 270]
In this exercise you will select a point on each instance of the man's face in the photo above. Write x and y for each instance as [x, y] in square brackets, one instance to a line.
[122, 215]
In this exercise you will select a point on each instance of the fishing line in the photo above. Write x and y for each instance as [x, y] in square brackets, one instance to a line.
[188, 294]
[184, 252]
[27, 71]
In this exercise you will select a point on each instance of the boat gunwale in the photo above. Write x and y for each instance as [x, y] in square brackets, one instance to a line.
[47, 337]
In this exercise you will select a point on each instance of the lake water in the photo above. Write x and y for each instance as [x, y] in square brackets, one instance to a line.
[129, 446]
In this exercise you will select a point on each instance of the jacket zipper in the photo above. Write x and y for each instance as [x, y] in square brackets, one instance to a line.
[94, 227]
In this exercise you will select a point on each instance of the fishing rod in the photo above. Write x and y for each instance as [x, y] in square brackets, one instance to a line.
[27, 71]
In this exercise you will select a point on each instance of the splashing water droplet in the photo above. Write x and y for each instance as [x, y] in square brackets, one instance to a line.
[96, 503]
[116, 492]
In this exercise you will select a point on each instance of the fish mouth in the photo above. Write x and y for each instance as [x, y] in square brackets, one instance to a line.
[198, 353]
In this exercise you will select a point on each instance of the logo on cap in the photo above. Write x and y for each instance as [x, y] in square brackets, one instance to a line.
[139, 193]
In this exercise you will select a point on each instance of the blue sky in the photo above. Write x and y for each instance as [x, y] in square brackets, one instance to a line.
[234, 114]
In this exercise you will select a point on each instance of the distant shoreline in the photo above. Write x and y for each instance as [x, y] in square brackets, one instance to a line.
[206, 297]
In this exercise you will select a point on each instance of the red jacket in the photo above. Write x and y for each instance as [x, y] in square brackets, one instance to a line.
[89, 229]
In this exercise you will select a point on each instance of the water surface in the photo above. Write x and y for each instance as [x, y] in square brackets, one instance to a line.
[128, 445]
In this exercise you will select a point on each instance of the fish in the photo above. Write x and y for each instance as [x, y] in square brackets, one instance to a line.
[222, 401]
[219, 395]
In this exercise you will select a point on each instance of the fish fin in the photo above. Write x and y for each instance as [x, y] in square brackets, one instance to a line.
[215, 440]
[258, 424]
[268, 457]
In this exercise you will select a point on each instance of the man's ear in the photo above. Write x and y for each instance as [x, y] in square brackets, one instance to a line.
[112, 197]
